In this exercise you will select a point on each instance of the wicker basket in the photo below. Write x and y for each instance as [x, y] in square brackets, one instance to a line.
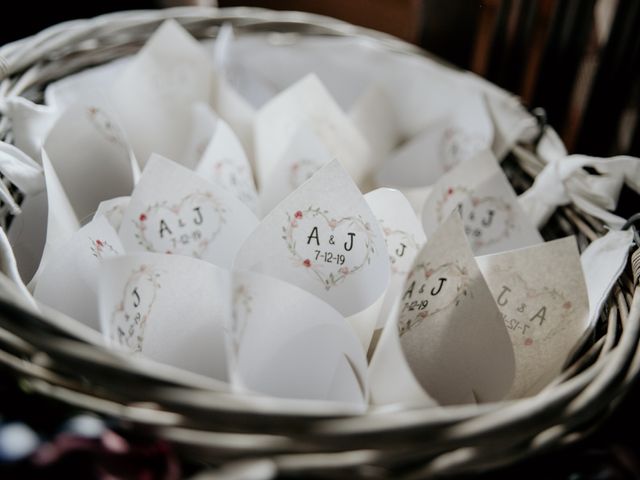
[57, 357]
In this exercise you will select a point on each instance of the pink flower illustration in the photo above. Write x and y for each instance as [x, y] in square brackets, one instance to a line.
[344, 270]
[99, 243]
[332, 223]
[142, 217]
[298, 215]
[307, 263]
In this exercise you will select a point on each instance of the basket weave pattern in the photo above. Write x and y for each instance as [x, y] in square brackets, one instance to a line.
[57, 359]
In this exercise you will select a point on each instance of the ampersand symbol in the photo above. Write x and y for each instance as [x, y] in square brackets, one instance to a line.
[331, 240]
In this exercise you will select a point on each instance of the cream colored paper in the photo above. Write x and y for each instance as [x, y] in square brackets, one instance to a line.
[542, 295]
[450, 329]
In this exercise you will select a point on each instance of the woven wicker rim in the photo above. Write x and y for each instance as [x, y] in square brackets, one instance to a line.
[57, 357]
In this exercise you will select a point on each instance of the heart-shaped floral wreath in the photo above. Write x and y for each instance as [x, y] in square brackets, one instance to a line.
[407, 323]
[203, 243]
[334, 278]
[131, 333]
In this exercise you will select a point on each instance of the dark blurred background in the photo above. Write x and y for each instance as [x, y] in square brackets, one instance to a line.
[578, 59]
